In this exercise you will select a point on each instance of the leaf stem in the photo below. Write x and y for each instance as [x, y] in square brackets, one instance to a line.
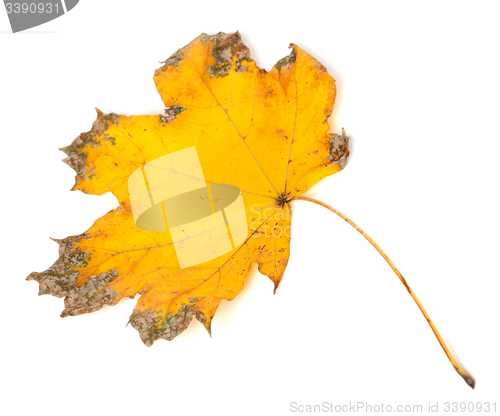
[468, 379]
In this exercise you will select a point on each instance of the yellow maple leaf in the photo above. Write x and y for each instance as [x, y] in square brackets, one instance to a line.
[242, 141]
[204, 190]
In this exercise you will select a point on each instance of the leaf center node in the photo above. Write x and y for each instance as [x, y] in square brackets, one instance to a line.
[283, 199]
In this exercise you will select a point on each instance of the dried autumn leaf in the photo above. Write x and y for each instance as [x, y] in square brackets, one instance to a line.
[264, 133]
[204, 190]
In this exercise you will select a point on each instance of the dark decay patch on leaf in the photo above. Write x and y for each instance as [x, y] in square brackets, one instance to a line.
[172, 61]
[92, 295]
[76, 155]
[110, 118]
[151, 327]
[59, 280]
[226, 47]
[339, 149]
[285, 62]
[109, 139]
[171, 113]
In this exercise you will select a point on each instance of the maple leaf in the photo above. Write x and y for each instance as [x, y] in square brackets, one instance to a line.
[260, 138]
[204, 190]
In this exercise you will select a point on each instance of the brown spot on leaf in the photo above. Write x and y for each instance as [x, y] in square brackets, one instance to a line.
[59, 280]
[153, 327]
[339, 149]
[75, 151]
[227, 46]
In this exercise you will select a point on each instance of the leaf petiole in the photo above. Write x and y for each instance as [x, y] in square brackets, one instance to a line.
[468, 379]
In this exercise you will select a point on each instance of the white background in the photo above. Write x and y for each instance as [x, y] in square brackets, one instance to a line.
[418, 92]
